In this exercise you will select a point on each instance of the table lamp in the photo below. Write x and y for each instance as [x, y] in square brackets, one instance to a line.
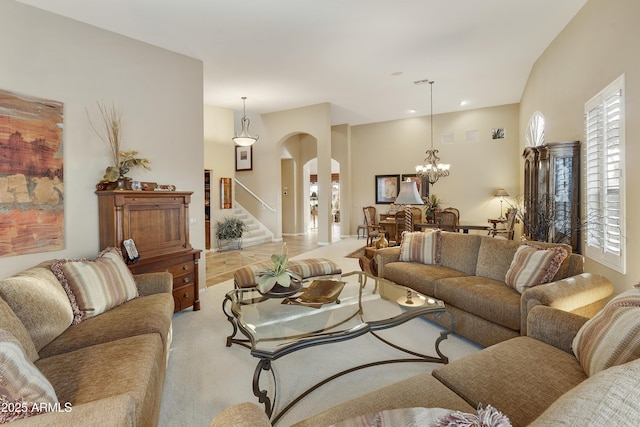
[502, 193]
[408, 196]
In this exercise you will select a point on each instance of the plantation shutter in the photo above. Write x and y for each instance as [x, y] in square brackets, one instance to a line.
[604, 118]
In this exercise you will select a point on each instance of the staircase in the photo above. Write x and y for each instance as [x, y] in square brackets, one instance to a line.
[257, 233]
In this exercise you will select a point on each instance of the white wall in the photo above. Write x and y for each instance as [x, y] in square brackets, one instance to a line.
[477, 168]
[158, 92]
[596, 47]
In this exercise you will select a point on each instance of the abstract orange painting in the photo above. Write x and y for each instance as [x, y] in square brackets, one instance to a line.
[31, 175]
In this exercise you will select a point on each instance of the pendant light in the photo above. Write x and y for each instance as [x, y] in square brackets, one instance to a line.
[432, 169]
[244, 139]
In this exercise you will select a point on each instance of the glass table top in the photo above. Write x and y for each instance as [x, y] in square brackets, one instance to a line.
[276, 326]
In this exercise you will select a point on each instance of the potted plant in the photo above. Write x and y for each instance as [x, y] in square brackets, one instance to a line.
[230, 228]
[278, 281]
[433, 204]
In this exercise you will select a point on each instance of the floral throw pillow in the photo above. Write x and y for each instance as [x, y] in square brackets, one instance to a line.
[425, 248]
[533, 265]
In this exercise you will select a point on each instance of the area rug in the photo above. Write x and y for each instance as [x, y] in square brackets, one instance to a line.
[204, 376]
[356, 254]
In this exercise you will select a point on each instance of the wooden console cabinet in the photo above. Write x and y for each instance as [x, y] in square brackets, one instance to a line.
[158, 223]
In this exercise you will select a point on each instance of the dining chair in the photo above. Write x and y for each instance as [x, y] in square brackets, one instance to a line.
[372, 228]
[447, 220]
[455, 211]
[416, 216]
[508, 231]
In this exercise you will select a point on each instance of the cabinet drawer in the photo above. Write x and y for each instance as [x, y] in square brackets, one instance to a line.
[181, 269]
[184, 280]
[183, 297]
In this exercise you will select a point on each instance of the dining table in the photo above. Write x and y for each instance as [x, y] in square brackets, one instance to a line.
[463, 228]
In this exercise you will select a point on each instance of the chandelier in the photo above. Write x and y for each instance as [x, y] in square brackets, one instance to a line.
[432, 169]
[244, 139]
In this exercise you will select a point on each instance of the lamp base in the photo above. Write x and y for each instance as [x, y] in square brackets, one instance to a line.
[409, 301]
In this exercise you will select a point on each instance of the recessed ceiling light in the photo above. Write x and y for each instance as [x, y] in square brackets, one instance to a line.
[463, 103]
[412, 111]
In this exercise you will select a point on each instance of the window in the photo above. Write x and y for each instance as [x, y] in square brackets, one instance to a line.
[604, 177]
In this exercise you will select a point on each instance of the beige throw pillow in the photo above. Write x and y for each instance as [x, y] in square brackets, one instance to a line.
[612, 336]
[421, 247]
[96, 286]
[533, 265]
[23, 388]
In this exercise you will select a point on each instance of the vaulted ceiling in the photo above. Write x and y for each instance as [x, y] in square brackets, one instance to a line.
[361, 56]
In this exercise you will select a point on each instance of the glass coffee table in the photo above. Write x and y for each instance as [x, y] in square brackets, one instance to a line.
[274, 327]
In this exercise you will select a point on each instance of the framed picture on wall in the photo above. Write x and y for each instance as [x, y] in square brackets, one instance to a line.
[244, 158]
[387, 187]
[421, 183]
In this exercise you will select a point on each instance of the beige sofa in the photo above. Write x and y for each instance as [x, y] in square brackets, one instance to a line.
[106, 370]
[533, 380]
[471, 281]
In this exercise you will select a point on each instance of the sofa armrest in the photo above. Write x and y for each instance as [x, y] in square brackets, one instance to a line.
[243, 414]
[154, 283]
[385, 256]
[553, 326]
[585, 294]
[117, 410]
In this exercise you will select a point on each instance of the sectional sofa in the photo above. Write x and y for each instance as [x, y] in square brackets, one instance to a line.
[469, 272]
[87, 363]
[568, 371]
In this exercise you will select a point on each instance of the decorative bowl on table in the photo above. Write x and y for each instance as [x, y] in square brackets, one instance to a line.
[279, 291]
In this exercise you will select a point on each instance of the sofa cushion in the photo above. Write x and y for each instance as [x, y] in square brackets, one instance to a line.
[494, 257]
[609, 398]
[532, 266]
[40, 302]
[485, 298]
[612, 336]
[145, 315]
[418, 390]
[460, 251]
[521, 393]
[133, 366]
[96, 286]
[421, 247]
[21, 383]
[417, 276]
[10, 323]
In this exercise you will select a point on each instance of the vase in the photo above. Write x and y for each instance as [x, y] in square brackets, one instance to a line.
[279, 291]
[123, 183]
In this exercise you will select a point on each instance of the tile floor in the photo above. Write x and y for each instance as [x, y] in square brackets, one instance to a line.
[221, 265]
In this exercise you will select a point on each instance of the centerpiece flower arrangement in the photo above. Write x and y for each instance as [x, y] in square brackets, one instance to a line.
[269, 279]
[121, 161]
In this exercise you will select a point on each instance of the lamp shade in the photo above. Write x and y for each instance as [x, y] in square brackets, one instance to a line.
[501, 192]
[409, 194]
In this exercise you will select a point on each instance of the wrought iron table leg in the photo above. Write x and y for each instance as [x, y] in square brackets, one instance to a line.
[264, 365]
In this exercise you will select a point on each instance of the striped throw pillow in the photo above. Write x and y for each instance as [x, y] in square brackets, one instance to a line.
[533, 265]
[421, 247]
[94, 287]
[612, 336]
[24, 391]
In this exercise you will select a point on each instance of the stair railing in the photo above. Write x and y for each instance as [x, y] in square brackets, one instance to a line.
[255, 196]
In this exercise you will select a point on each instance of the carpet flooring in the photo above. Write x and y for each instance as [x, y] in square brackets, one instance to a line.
[204, 376]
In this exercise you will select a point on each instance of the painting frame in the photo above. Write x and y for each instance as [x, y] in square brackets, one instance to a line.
[421, 183]
[387, 188]
[244, 158]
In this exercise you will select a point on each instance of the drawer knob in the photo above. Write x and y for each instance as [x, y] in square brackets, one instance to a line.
[186, 280]
[186, 267]
[186, 294]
